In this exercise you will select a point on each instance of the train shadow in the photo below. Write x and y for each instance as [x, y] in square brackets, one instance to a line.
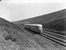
[33, 32]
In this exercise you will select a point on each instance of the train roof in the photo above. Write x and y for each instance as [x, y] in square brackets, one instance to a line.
[34, 24]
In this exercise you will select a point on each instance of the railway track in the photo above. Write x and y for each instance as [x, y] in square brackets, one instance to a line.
[55, 36]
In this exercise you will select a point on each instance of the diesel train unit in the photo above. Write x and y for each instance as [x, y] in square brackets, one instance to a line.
[34, 27]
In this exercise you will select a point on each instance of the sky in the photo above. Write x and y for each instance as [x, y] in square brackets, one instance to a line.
[14, 10]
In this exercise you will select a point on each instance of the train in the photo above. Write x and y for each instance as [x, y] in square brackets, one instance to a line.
[34, 27]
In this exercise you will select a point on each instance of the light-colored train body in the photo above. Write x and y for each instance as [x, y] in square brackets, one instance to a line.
[34, 27]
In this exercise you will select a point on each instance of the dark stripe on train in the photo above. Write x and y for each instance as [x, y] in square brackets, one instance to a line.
[35, 32]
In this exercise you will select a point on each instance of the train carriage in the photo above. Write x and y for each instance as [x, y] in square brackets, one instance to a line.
[34, 27]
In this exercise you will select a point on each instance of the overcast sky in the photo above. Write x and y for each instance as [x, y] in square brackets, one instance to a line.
[14, 10]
